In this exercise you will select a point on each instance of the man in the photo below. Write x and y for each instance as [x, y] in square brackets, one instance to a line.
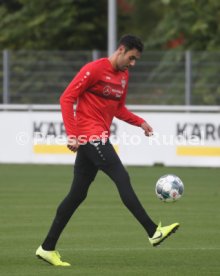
[99, 91]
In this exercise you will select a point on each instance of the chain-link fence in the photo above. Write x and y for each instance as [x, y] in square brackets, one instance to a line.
[169, 77]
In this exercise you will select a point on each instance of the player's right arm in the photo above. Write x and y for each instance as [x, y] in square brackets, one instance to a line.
[80, 83]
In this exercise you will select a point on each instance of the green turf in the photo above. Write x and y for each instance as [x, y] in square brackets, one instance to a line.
[103, 238]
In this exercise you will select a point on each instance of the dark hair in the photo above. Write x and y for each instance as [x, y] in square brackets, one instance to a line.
[131, 42]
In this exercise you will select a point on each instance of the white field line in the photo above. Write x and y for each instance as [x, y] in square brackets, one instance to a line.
[139, 249]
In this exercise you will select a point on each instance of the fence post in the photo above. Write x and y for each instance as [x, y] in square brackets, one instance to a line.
[95, 54]
[112, 26]
[6, 92]
[188, 77]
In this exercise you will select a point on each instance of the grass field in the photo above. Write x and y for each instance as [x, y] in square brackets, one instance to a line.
[103, 238]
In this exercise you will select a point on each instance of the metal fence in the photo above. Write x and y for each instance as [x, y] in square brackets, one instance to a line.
[169, 77]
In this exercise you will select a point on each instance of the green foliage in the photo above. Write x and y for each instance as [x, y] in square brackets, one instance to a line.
[191, 25]
[162, 24]
[46, 24]
[82, 24]
[72, 24]
[142, 17]
[197, 21]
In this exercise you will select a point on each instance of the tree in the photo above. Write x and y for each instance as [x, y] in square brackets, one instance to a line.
[82, 25]
[190, 25]
[141, 16]
[197, 21]
[53, 25]
[71, 24]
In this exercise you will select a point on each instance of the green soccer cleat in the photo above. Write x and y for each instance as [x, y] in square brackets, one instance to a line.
[52, 257]
[162, 233]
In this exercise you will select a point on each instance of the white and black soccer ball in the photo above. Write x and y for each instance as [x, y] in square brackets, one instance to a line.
[169, 188]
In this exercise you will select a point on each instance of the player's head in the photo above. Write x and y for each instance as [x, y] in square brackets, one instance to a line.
[129, 50]
[131, 42]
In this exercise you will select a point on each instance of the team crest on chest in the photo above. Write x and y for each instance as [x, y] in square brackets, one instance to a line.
[123, 83]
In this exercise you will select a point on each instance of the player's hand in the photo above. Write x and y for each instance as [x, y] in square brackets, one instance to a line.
[148, 130]
[72, 144]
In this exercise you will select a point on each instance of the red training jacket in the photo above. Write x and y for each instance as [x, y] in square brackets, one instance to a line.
[99, 92]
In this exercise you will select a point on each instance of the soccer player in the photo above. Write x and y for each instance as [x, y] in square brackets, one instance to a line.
[99, 92]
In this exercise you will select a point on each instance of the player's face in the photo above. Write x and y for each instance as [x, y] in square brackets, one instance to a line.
[127, 59]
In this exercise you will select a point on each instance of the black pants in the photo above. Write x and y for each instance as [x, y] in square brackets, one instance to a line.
[90, 158]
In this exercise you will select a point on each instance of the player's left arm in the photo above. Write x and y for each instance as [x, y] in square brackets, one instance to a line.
[125, 115]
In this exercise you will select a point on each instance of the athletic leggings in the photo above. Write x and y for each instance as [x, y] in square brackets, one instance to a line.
[90, 158]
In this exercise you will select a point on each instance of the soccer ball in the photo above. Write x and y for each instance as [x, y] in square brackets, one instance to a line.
[169, 188]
